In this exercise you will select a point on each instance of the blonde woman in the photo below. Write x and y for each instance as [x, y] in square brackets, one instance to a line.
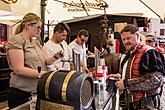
[27, 60]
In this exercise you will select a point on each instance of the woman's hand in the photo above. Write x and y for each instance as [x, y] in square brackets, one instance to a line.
[41, 73]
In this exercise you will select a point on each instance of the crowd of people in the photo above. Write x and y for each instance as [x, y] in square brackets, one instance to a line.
[142, 66]
[29, 60]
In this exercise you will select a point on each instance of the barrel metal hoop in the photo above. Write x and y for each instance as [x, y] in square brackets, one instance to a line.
[65, 84]
[48, 83]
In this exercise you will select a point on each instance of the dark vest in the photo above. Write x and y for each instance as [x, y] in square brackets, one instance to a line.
[132, 71]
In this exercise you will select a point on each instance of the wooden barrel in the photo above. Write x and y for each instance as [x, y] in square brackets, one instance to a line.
[112, 61]
[67, 87]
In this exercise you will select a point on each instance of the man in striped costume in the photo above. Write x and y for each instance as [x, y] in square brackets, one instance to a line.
[142, 69]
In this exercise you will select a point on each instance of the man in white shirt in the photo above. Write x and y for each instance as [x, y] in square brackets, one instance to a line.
[57, 44]
[79, 45]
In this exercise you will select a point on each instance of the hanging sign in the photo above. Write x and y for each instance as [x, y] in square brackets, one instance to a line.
[10, 1]
[75, 6]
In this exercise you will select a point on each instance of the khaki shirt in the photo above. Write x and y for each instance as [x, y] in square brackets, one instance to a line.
[33, 57]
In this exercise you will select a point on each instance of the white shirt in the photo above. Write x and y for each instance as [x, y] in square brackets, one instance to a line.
[50, 48]
[81, 50]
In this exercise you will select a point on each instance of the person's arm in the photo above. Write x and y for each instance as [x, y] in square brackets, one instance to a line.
[89, 53]
[53, 58]
[84, 67]
[151, 72]
[71, 66]
[148, 82]
[16, 58]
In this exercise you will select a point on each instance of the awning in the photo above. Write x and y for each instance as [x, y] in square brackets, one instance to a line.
[25, 6]
[157, 6]
[60, 10]
[8, 22]
[12, 12]
[4, 6]
[9, 18]
[101, 15]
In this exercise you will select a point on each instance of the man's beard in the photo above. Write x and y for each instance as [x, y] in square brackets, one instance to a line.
[131, 47]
